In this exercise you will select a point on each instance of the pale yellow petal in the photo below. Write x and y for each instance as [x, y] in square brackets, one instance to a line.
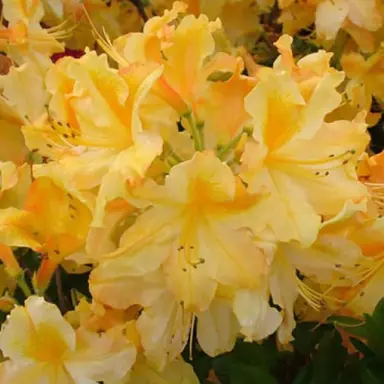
[217, 328]
[105, 357]
[257, 319]
[330, 15]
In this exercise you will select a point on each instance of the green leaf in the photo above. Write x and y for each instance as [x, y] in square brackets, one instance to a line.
[263, 355]
[352, 371]
[375, 329]
[372, 373]
[307, 335]
[329, 359]
[202, 366]
[304, 376]
[362, 347]
[244, 374]
[223, 365]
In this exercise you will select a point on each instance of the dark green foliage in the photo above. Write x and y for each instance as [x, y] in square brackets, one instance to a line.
[318, 356]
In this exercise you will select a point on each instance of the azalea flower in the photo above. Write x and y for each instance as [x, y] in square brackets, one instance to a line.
[43, 347]
[94, 134]
[197, 82]
[196, 216]
[296, 15]
[22, 101]
[16, 225]
[177, 372]
[362, 13]
[115, 17]
[359, 18]
[24, 39]
[366, 78]
[307, 165]
[241, 18]
[333, 260]
[371, 173]
[100, 318]
[61, 223]
[165, 326]
[363, 297]
[179, 253]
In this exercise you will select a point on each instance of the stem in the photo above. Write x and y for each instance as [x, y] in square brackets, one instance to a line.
[24, 286]
[194, 132]
[338, 48]
[174, 159]
[140, 8]
[222, 152]
[60, 294]
[200, 129]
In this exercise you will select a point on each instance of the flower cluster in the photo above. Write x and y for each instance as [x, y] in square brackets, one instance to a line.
[200, 194]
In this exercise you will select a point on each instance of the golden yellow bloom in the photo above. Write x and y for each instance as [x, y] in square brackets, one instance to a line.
[371, 173]
[177, 372]
[366, 236]
[16, 225]
[359, 18]
[363, 298]
[114, 16]
[94, 134]
[241, 18]
[366, 78]
[43, 347]
[333, 260]
[296, 15]
[182, 51]
[100, 318]
[24, 39]
[61, 224]
[22, 101]
[193, 231]
[178, 254]
[198, 83]
[14, 184]
[308, 166]
[331, 14]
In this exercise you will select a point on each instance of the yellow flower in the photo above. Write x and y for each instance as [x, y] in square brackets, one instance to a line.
[165, 326]
[16, 228]
[115, 17]
[16, 225]
[176, 372]
[24, 39]
[366, 78]
[241, 18]
[194, 230]
[296, 15]
[331, 14]
[333, 260]
[308, 166]
[14, 184]
[61, 224]
[371, 172]
[94, 134]
[222, 108]
[100, 318]
[185, 71]
[43, 347]
[22, 101]
[363, 298]
[193, 72]
[359, 18]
